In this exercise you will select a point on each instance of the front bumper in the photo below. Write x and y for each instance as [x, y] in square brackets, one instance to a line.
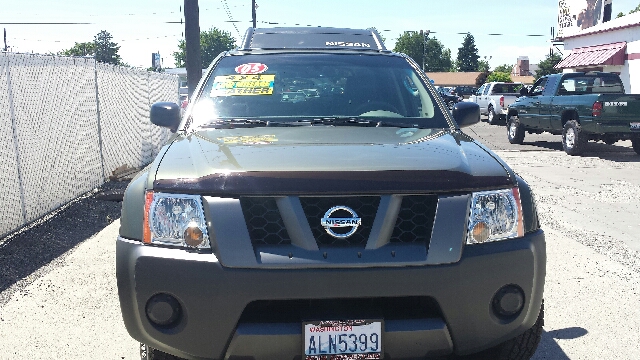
[216, 300]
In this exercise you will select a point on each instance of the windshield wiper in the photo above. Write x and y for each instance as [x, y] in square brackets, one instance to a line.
[326, 121]
[246, 123]
[356, 121]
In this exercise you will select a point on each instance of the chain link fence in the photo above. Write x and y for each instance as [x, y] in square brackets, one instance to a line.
[66, 124]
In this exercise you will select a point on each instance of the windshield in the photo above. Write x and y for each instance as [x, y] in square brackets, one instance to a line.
[290, 88]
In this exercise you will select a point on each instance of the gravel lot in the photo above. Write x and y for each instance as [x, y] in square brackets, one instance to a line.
[58, 296]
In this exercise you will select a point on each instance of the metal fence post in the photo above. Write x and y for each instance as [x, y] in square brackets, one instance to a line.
[95, 77]
[14, 128]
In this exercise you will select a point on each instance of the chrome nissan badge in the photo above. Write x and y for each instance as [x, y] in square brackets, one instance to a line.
[331, 224]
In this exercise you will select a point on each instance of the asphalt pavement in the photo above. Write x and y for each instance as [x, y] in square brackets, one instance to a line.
[58, 295]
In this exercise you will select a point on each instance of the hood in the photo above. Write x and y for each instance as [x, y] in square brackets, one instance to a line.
[327, 159]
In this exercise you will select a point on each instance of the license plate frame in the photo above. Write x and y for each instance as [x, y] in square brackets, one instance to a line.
[634, 126]
[334, 339]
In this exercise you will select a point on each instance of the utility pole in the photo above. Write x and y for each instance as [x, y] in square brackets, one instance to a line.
[253, 12]
[5, 39]
[425, 35]
[192, 44]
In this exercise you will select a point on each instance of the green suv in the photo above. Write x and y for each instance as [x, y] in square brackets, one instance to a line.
[319, 201]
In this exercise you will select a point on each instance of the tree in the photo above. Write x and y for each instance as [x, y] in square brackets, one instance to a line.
[411, 43]
[621, 14]
[546, 66]
[101, 48]
[435, 56]
[106, 50]
[468, 54]
[212, 43]
[482, 78]
[483, 66]
[80, 49]
[499, 76]
[505, 68]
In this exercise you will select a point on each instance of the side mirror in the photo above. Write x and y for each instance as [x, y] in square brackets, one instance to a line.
[466, 113]
[524, 91]
[165, 114]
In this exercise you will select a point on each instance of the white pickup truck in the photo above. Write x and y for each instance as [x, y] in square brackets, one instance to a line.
[494, 98]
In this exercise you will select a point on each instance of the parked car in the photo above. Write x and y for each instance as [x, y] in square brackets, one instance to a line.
[464, 91]
[494, 98]
[317, 203]
[449, 98]
[580, 107]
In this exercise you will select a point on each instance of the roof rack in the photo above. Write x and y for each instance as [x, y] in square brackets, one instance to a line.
[312, 38]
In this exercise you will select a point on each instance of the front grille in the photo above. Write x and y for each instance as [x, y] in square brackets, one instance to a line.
[415, 219]
[266, 227]
[364, 206]
[263, 221]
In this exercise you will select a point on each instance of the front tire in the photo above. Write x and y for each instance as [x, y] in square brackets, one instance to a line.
[636, 145]
[573, 140]
[515, 130]
[491, 116]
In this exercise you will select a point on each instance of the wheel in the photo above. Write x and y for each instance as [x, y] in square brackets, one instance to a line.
[491, 116]
[515, 131]
[635, 142]
[573, 140]
[450, 104]
[149, 353]
[521, 347]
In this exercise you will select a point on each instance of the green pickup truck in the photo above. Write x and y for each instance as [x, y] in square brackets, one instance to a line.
[580, 107]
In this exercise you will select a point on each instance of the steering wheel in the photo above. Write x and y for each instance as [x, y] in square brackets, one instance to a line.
[375, 106]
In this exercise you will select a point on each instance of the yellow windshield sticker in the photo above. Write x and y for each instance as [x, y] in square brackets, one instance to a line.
[230, 85]
[249, 140]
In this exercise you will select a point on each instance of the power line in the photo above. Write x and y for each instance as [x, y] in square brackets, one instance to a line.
[226, 8]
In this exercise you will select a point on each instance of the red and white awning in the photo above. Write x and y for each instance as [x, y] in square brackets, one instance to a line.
[609, 54]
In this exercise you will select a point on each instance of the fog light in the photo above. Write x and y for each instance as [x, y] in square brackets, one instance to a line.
[193, 236]
[163, 310]
[508, 301]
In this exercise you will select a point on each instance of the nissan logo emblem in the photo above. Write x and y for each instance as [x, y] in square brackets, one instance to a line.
[341, 222]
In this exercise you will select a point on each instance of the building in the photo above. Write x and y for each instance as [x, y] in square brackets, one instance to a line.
[524, 68]
[469, 78]
[453, 78]
[612, 46]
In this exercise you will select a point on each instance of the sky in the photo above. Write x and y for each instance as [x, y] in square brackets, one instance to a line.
[142, 27]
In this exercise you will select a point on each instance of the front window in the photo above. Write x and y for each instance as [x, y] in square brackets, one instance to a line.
[538, 87]
[299, 88]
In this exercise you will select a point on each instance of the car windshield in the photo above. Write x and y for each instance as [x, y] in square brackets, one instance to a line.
[287, 89]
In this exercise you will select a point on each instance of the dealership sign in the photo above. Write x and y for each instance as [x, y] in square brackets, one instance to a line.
[577, 15]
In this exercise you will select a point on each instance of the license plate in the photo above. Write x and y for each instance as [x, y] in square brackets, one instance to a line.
[634, 126]
[343, 340]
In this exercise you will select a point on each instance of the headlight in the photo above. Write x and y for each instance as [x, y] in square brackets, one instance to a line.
[175, 220]
[495, 215]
